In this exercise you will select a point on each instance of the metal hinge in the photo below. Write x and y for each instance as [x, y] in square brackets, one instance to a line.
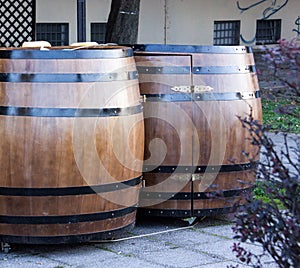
[196, 177]
[192, 89]
[247, 95]
[143, 98]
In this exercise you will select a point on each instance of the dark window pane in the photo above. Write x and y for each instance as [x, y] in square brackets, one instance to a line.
[57, 34]
[98, 32]
[226, 32]
[267, 31]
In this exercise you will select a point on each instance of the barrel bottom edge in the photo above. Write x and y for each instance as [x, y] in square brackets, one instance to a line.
[68, 239]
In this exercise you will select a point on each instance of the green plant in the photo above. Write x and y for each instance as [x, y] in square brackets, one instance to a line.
[281, 115]
[262, 220]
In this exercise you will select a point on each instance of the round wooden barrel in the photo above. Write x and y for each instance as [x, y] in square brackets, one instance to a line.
[72, 144]
[194, 161]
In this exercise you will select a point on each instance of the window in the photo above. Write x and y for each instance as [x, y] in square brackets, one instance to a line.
[267, 31]
[227, 32]
[57, 34]
[98, 32]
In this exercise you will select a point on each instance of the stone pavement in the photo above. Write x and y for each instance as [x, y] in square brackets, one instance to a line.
[207, 244]
[153, 243]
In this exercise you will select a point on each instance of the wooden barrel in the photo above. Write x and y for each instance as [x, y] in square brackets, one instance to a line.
[72, 144]
[194, 161]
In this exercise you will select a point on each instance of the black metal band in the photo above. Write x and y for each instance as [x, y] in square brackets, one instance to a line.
[70, 112]
[199, 169]
[67, 219]
[191, 49]
[66, 78]
[180, 213]
[67, 53]
[224, 69]
[205, 96]
[196, 70]
[195, 195]
[66, 191]
[105, 235]
[164, 70]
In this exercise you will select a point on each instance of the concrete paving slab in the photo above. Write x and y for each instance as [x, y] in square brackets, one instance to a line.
[179, 257]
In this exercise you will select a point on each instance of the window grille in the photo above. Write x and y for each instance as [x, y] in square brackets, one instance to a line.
[267, 31]
[57, 34]
[98, 31]
[226, 32]
[17, 22]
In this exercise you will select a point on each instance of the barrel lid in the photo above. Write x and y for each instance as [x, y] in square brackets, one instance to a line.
[190, 48]
[95, 52]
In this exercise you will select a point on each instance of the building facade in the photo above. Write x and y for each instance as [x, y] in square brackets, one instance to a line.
[197, 22]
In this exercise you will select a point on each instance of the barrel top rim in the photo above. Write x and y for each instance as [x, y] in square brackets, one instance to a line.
[66, 52]
[176, 48]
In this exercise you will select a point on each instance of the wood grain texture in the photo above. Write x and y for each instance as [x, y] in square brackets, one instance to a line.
[206, 133]
[40, 152]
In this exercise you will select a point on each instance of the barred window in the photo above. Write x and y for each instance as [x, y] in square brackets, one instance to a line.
[57, 34]
[268, 31]
[227, 32]
[98, 31]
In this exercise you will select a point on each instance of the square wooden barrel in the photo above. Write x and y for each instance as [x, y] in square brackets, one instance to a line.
[72, 143]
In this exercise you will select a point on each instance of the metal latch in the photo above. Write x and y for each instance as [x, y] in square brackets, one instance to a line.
[192, 89]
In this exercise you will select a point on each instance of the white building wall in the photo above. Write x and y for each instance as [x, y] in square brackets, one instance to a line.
[96, 11]
[176, 21]
[64, 11]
